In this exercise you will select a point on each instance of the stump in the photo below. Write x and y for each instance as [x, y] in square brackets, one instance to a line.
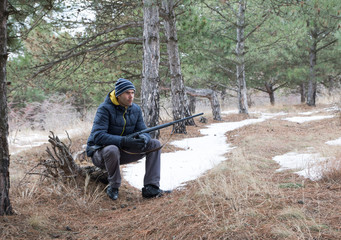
[62, 166]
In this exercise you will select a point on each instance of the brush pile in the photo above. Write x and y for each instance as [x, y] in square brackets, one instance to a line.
[62, 166]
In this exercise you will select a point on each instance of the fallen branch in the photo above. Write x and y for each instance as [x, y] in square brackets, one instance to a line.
[62, 166]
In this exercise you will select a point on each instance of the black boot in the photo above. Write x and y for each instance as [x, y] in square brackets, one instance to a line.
[151, 191]
[112, 193]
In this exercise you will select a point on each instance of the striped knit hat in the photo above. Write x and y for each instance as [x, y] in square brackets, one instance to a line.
[123, 85]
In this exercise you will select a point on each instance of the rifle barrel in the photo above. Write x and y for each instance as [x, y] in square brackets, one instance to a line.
[148, 130]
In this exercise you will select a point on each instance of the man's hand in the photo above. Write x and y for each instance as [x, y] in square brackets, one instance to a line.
[145, 140]
[129, 142]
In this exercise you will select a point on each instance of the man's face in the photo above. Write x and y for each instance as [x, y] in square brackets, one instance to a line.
[126, 99]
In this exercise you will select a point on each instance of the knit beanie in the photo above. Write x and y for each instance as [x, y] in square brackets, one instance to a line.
[123, 85]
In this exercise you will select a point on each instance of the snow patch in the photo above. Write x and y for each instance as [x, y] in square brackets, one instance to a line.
[307, 164]
[308, 113]
[306, 119]
[334, 142]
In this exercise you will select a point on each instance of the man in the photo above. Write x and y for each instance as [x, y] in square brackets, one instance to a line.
[109, 146]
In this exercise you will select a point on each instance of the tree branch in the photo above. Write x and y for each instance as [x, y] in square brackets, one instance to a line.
[260, 89]
[280, 86]
[328, 44]
[120, 27]
[219, 13]
[99, 47]
[258, 26]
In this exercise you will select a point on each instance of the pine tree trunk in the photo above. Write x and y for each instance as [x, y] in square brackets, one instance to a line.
[271, 92]
[5, 205]
[311, 95]
[192, 104]
[179, 98]
[241, 82]
[151, 61]
[211, 95]
[302, 92]
[330, 85]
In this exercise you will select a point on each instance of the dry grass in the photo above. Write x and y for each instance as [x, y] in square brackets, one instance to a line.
[242, 198]
[331, 169]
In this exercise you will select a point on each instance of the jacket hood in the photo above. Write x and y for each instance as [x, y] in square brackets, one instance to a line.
[113, 98]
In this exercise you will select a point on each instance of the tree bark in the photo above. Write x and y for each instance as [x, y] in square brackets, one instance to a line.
[192, 104]
[151, 61]
[271, 92]
[330, 85]
[211, 95]
[5, 205]
[302, 92]
[241, 82]
[179, 98]
[311, 95]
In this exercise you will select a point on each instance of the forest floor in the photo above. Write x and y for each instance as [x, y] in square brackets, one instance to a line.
[243, 197]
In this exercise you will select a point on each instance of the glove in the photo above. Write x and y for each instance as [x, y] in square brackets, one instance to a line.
[129, 142]
[145, 140]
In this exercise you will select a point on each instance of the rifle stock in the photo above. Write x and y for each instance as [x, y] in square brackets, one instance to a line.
[158, 127]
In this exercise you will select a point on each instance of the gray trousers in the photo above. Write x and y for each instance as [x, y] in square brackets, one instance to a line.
[111, 157]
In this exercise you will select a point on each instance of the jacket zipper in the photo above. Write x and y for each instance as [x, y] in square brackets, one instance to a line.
[125, 122]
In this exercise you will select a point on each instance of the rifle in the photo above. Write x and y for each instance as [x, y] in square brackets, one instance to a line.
[148, 130]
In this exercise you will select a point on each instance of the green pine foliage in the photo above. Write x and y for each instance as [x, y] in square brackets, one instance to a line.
[204, 47]
[278, 38]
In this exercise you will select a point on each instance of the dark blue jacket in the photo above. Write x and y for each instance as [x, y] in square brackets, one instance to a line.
[112, 122]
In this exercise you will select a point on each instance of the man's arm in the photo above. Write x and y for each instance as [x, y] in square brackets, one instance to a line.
[100, 129]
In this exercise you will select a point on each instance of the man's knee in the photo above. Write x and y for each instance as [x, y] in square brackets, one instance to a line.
[111, 152]
[155, 143]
